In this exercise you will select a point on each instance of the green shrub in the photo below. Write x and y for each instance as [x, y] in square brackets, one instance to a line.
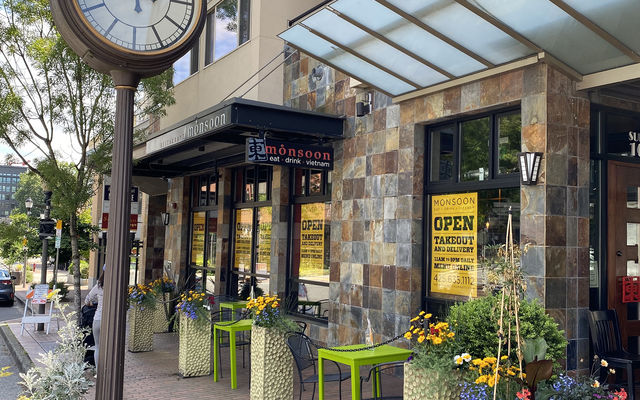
[476, 323]
[29, 275]
[84, 269]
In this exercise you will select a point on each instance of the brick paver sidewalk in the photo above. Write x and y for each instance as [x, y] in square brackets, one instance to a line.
[154, 375]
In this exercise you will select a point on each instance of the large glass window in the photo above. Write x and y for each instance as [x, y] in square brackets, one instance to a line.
[473, 182]
[251, 230]
[227, 28]
[309, 274]
[475, 150]
[204, 232]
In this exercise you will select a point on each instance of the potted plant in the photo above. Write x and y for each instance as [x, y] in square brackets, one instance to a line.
[142, 303]
[194, 354]
[431, 372]
[271, 360]
[163, 287]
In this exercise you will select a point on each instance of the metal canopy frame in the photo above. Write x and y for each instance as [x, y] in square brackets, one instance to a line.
[577, 36]
[225, 144]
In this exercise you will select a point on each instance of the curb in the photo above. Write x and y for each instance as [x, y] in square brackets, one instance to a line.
[18, 353]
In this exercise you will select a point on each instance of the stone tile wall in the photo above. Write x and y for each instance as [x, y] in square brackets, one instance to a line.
[177, 232]
[153, 240]
[378, 195]
[555, 213]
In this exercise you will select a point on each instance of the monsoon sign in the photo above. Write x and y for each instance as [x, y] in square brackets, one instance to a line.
[454, 251]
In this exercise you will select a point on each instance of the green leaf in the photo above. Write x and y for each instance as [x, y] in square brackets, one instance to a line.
[534, 349]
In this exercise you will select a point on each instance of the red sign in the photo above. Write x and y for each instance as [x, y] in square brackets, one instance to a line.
[631, 289]
[133, 222]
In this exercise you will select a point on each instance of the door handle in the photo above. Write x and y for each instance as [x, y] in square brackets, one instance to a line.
[619, 253]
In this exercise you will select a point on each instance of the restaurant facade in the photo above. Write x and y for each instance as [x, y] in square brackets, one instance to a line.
[389, 172]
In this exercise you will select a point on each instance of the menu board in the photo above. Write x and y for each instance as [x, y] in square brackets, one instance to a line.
[454, 251]
[312, 230]
[263, 266]
[197, 241]
[243, 235]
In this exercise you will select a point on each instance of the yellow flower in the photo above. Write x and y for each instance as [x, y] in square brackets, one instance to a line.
[604, 363]
[596, 384]
[458, 360]
[612, 371]
[51, 294]
[504, 358]
[428, 316]
[189, 299]
[421, 338]
[414, 319]
[437, 340]
[4, 372]
[407, 335]
[421, 313]
[466, 357]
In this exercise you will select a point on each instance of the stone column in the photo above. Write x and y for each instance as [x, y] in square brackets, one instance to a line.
[176, 244]
[152, 258]
[223, 257]
[279, 230]
[555, 213]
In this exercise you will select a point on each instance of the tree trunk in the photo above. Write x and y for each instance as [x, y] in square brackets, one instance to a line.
[75, 261]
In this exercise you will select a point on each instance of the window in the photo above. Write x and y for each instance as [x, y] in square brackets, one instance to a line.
[204, 231]
[473, 181]
[308, 278]
[475, 150]
[227, 28]
[251, 228]
[186, 66]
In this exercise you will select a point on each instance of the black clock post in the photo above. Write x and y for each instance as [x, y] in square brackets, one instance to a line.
[146, 43]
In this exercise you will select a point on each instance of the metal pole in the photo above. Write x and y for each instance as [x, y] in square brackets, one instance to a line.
[112, 335]
[45, 252]
[55, 270]
[26, 252]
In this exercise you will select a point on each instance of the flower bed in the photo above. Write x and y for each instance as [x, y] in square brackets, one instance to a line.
[271, 360]
[194, 354]
[142, 304]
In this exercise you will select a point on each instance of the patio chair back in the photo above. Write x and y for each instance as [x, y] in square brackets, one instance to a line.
[393, 369]
[605, 332]
[300, 346]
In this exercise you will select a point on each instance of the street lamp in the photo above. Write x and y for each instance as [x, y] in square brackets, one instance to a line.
[28, 204]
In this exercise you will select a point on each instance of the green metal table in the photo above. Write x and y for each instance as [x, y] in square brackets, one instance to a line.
[233, 306]
[231, 328]
[355, 359]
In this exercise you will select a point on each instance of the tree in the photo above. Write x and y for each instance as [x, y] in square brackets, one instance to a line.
[29, 186]
[57, 114]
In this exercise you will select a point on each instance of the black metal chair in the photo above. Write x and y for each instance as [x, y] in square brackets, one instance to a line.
[607, 344]
[301, 349]
[377, 371]
[301, 325]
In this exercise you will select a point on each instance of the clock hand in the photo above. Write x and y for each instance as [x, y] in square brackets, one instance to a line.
[138, 9]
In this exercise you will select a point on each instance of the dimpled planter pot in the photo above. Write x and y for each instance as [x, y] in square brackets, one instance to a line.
[194, 356]
[271, 365]
[428, 384]
[140, 336]
[160, 321]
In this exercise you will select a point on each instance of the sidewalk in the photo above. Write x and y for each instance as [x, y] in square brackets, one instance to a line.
[154, 375]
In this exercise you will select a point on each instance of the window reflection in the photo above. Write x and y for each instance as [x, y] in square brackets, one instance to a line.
[442, 154]
[508, 142]
[474, 163]
[227, 28]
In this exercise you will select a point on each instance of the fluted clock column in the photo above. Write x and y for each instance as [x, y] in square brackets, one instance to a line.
[112, 333]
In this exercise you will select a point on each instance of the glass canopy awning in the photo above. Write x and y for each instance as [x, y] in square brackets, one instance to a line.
[400, 46]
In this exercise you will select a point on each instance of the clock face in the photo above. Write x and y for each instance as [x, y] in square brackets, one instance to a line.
[144, 26]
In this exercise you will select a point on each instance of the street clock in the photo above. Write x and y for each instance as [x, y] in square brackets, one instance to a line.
[140, 36]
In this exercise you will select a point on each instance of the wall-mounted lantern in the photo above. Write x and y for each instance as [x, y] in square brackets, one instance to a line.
[529, 167]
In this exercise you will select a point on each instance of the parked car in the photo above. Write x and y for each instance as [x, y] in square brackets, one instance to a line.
[7, 290]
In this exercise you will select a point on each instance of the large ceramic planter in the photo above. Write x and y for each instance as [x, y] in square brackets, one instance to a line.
[194, 355]
[140, 336]
[271, 365]
[428, 384]
[160, 320]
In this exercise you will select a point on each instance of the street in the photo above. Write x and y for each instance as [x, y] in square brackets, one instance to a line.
[8, 313]
[9, 384]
